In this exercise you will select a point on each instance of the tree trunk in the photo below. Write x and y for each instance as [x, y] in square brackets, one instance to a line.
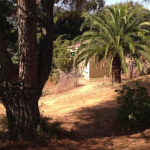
[116, 69]
[21, 89]
[23, 117]
[27, 41]
[46, 52]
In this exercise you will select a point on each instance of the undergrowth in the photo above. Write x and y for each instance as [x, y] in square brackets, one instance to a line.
[134, 110]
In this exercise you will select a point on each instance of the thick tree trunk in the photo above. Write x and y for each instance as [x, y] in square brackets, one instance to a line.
[20, 90]
[23, 117]
[27, 41]
[116, 69]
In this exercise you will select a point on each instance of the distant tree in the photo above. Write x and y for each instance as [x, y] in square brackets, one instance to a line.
[74, 5]
[68, 15]
[95, 5]
[68, 22]
[145, 1]
[82, 5]
[115, 32]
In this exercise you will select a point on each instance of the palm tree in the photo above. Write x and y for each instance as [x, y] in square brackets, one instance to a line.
[115, 32]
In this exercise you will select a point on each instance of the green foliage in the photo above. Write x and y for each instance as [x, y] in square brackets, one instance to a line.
[54, 76]
[47, 130]
[68, 23]
[81, 5]
[134, 107]
[116, 29]
[61, 57]
[15, 59]
[86, 16]
[93, 5]
[7, 10]
[8, 24]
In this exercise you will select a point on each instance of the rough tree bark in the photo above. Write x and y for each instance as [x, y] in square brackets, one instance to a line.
[45, 56]
[21, 88]
[116, 69]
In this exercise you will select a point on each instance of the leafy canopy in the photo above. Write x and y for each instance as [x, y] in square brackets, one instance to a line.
[116, 29]
[134, 106]
[7, 10]
[61, 57]
[68, 23]
[81, 5]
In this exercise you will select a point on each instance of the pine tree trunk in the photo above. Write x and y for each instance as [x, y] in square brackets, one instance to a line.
[116, 69]
[23, 117]
[46, 52]
[27, 41]
[21, 89]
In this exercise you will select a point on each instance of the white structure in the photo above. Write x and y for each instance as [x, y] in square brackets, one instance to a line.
[90, 71]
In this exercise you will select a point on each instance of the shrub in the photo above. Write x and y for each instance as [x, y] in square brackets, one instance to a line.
[134, 107]
[68, 80]
[47, 130]
[61, 57]
[54, 76]
[148, 70]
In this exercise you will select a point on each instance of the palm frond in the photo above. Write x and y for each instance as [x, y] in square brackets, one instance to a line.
[118, 28]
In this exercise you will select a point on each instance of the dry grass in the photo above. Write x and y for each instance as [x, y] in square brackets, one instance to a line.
[83, 118]
[67, 81]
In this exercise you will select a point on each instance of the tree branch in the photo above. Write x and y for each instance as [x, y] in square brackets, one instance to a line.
[46, 51]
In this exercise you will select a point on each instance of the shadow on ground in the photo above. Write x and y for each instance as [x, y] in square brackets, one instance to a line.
[94, 128]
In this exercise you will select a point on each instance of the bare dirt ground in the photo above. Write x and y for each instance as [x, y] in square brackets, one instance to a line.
[85, 117]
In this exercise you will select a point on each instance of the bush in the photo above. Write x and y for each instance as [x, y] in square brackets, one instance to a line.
[68, 80]
[135, 106]
[61, 57]
[64, 81]
[54, 76]
[148, 70]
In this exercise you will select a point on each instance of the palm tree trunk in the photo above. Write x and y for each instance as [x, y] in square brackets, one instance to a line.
[116, 69]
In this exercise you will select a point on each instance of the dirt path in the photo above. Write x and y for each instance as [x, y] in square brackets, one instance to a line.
[86, 117]
[88, 93]
[89, 112]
